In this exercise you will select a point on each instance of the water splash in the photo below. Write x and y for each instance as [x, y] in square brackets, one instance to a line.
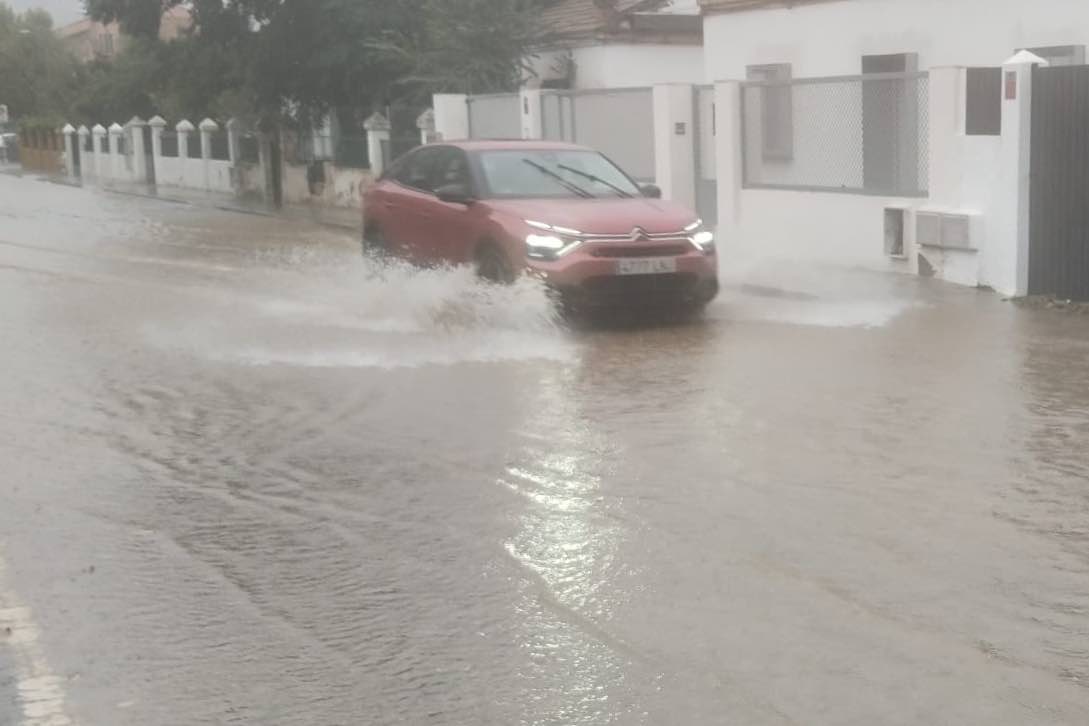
[315, 307]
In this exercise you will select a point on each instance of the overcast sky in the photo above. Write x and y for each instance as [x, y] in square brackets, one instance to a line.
[63, 11]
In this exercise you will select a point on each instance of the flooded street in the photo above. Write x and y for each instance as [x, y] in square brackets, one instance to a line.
[249, 479]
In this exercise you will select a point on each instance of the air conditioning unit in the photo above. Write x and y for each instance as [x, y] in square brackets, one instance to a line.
[955, 230]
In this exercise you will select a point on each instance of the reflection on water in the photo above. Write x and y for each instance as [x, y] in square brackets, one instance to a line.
[567, 544]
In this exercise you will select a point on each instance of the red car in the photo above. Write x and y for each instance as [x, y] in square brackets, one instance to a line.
[563, 213]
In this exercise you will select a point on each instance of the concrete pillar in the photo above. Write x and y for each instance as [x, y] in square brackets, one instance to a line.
[69, 149]
[674, 147]
[945, 127]
[184, 129]
[115, 150]
[234, 128]
[1007, 255]
[135, 128]
[451, 116]
[425, 122]
[378, 133]
[532, 118]
[207, 128]
[99, 132]
[86, 162]
[157, 124]
[728, 156]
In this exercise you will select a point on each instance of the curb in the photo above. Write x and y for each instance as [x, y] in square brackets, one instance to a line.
[19, 173]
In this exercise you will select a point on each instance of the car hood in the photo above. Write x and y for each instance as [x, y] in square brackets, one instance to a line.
[600, 216]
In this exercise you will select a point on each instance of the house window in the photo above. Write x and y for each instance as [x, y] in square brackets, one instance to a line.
[1060, 55]
[983, 102]
[776, 110]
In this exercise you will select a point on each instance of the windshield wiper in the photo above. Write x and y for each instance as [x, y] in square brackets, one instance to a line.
[568, 185]
[594, 178]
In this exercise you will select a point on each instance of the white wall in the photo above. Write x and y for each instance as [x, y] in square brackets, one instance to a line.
[219, 176]
[622, 65]
[968, 175]
[846, 229]
[451, 116]
[830, 38]
[619, 66]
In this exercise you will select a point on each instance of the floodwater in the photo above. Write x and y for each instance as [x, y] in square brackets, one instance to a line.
[247, 479]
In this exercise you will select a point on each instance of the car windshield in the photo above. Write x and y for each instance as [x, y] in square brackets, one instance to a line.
[552, 173]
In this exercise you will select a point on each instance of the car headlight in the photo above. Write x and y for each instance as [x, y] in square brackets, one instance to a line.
[704, 240]
[551, 242]
[545, 242]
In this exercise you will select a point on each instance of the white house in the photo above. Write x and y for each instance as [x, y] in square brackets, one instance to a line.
[591, 44]
[883, 133]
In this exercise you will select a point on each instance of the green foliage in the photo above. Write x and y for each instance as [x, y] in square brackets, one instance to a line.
[292, 60]
[37, 75]
[118, 89]
[466, 46]
[138, 18]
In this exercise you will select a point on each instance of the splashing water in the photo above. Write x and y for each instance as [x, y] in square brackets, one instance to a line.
[304, 306]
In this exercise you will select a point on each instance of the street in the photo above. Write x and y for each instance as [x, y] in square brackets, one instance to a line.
[248, 478]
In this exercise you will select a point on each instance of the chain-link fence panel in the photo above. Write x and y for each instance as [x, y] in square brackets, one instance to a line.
[858, 134]
[495, 116]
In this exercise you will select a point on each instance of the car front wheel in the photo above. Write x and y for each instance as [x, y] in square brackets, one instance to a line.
[492, 265]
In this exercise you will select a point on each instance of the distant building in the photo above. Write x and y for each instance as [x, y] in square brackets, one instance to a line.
[89, 40]
[616, 43]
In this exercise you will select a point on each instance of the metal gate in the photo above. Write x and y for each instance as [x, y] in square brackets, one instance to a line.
[617, 122]
[1059, 197]
[495, 116]
[705, 167]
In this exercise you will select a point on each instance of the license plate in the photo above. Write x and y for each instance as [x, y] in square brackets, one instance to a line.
[646, 266]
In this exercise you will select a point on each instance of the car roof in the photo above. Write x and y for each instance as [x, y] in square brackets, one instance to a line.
[509, 144]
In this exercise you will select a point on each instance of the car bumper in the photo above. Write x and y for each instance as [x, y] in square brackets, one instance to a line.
[594, 280]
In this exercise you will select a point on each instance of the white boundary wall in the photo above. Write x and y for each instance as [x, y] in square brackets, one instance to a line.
[982, 177]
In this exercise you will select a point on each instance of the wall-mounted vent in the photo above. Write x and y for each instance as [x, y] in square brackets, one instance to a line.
[928, 229]
[957, 231]
[950, 230]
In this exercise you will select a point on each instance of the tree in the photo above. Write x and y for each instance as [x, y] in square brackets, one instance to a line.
[138, 18]
[37, 74]
[468, 46]
[302, 58]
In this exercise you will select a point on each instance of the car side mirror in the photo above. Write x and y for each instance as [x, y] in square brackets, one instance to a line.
[651, 191]
[454, 194]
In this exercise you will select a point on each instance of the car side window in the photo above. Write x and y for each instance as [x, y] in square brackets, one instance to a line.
[451, 167]
[417, 169]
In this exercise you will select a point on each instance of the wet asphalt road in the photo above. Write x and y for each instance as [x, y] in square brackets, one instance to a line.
[245, 479]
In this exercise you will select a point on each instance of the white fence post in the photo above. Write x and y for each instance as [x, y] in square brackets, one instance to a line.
[1009, 261]
[378, 128]
[425, 122]
[674, 148]
[207, 128]
[157, 124]
[99, 141]
[83, 132]
[115, 149]
[69, 149]
[233, 129]
[135, 127]
[532, 119]
[184, 128]
[728, 151]
[451, 116]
